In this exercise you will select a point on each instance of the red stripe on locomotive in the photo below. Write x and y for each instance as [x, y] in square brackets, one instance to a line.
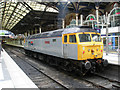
[47, 42]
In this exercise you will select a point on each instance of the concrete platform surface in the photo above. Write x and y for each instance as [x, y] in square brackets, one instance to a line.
[15, 45]
[112, 58]
[11, 75]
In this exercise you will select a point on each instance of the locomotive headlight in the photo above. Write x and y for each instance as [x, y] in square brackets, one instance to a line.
[101, 47]
[83, 48]
[95, 55]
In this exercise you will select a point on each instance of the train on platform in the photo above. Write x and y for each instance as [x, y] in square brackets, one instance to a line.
[77, 48]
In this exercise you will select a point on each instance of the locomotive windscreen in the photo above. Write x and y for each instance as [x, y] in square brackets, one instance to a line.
[85, 37]
[96, 38]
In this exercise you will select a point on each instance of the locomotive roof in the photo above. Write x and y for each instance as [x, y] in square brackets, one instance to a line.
[78, 29]
[59, 32]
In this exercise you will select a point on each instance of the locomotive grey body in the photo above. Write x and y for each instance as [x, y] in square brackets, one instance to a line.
[77, 47]
[50, 43]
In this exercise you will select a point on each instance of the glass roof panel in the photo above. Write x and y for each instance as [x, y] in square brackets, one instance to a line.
[41, 7]
[19, 6]
[17, 10]
[36, 6]
[13, 4]
[9, 12]
[13, 12]
[51, 10]
[23, 13]
[11, 8]
[9, 15]
[23, 8]
[7, 4]
[7, 8]
[27, 11]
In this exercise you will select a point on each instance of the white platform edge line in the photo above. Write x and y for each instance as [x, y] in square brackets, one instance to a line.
[10, 63]
[1, 71]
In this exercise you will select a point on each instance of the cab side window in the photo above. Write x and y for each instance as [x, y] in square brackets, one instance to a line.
[72, 38]
[65, 39]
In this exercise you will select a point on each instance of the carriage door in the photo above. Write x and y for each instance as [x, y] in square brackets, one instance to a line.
[65, 44]
[70, 46]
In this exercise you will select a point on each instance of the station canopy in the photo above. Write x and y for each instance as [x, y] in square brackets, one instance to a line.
[20, 17]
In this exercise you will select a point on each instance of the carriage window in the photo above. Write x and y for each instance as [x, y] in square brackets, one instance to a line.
[72, 38]
[85, 37]
[65, 39]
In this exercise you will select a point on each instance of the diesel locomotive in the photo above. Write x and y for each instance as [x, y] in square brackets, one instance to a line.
[77, 48]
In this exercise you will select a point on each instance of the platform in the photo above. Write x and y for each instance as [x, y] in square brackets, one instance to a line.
[11, 75]
[113, 58]
[14, 45]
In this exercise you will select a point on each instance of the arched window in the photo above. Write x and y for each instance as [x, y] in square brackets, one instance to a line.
[114, 17]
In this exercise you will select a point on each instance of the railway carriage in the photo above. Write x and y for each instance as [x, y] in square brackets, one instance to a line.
[78, 48]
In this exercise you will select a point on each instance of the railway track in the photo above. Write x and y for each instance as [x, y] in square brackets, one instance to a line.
[44, 78]
[61, 80]
[103, 82]
[96, 80]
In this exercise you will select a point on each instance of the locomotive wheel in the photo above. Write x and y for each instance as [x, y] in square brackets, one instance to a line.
[35, 55]
[93, 69]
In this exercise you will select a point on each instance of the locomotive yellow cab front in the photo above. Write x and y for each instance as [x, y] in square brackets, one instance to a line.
[90, 46]
[87, 45]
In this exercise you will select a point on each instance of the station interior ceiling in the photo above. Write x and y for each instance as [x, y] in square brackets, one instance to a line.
[20, 17]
